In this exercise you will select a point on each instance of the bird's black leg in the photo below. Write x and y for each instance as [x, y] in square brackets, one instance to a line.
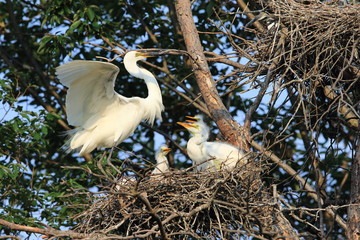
[99, 164]
[111, 151]
[108, 159]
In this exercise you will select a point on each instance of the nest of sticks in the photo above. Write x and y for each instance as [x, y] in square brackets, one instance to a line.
[182, 204]
[312, 50]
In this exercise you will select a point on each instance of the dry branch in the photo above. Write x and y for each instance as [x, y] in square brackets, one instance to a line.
[48, 232]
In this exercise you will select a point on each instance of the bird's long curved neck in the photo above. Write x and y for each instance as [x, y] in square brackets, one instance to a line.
[161, 159]
[197, 139]
[154, 92]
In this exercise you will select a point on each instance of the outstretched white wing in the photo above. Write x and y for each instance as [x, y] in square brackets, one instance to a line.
[91, 89]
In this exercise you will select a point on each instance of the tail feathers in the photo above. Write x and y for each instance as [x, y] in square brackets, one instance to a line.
[87, 147]
[84, 140]
[70, 133]
[78, 141]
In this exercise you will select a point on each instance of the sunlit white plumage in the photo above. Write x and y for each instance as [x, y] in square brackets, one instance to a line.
[105, 118]
[203, 127]
[200, 134]
[162, 163]
[211, 156]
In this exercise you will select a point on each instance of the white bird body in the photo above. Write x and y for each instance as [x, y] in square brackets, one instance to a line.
[105, 118]
[195, 146]
[224, 155]
[210, 156]
[162, 163]
[197, 152]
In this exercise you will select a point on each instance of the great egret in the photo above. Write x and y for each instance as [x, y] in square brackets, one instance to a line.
[210, 156]
[161, 160]
[105, 118]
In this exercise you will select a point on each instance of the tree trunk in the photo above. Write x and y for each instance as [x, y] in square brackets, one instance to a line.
[230, 129]
[353, 230]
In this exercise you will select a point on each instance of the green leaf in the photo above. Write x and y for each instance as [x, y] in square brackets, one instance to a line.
[37, 136]
[45, 39]
[96, 26]
[73, 26]
[25, 115]
[91, 14]
[3, 171]
[209, 8]
[43, 43]
[55, 19]
[44, 130]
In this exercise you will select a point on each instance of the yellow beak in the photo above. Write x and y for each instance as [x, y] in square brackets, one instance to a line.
[166, 150]
[185, 125]
[192, 119]
[147, 54]
[188, 125]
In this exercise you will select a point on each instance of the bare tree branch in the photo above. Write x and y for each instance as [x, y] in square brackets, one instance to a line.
[47, 232]
[311, 191]
[248, 13]
[143, 198]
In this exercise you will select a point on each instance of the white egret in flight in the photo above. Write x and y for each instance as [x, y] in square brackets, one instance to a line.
[210, 156]
[162, 164]
[103, 117]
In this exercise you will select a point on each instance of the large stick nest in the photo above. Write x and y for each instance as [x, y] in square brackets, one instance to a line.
[180, 203]
[314, 48]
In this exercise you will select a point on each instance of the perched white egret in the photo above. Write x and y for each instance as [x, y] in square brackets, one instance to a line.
[162, 164]
[210, 155]
[199, 120]
[103, 117]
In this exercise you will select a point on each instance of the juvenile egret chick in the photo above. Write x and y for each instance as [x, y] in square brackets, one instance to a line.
[103, 117]
[162, 164]
[213, 155]
[199, 120]
[195, 146]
